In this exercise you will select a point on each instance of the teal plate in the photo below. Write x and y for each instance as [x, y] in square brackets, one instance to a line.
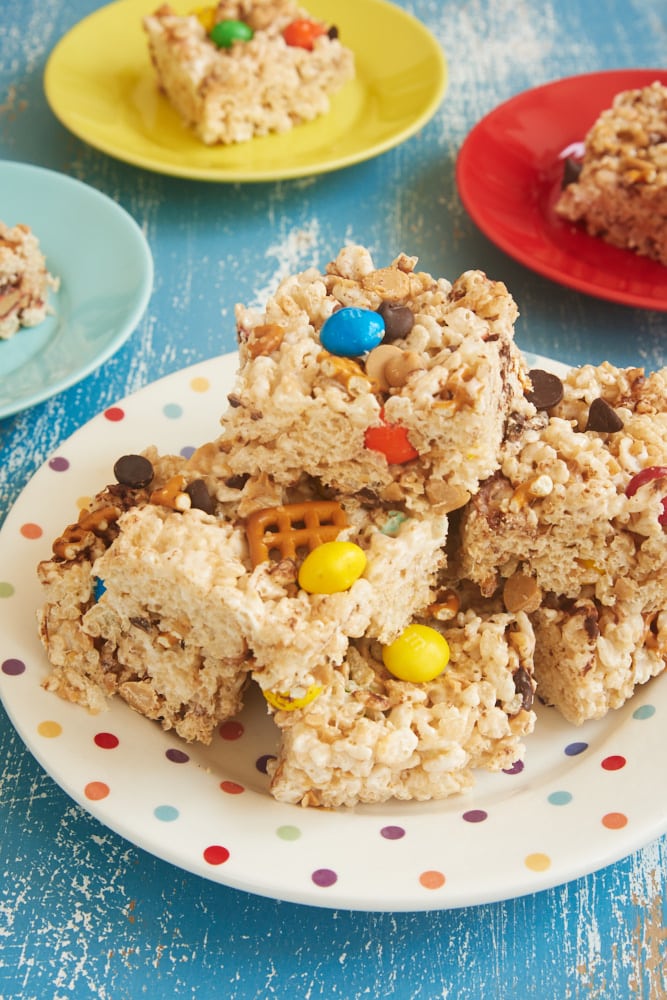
[106, 277]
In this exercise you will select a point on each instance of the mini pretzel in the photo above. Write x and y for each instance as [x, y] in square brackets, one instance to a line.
[265, 339]
[98, 520]
[292, 526]
[447, 605]
[73, 540]
[172, 494]
[343, 370]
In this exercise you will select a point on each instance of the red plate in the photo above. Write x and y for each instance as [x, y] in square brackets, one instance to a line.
[509, 174]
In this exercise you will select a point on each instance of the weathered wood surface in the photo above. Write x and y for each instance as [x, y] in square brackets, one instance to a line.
[84, 913]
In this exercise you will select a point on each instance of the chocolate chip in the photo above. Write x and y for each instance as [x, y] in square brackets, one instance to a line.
[523, 685]
[333, 32]
[200, 497]
[140, 622]
[571, 171]
[547, 389]
[591, 625]
[133, 470]
[603, 418]
[398, 321]
[237, 482]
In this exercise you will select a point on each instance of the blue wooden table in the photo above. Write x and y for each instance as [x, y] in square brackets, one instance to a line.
[83, 912]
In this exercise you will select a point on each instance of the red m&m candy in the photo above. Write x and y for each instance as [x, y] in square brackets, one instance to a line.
[645, 476]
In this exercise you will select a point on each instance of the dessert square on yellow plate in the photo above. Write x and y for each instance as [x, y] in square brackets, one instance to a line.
[100, 84]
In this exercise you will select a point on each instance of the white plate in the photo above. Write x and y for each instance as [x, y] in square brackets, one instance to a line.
[106, 277]
[585, 798]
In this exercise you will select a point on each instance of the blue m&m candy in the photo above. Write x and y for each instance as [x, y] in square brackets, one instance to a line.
[352, 331]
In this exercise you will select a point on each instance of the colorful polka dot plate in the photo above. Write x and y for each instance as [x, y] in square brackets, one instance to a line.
[100, 84]
[104, 289]
[584, 798]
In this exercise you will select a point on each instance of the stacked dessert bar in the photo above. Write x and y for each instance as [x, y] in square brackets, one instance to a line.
[399, 535]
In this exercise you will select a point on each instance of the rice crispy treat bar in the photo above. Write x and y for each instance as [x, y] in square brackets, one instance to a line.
[181, 662]
[621, 192]
[298, 638]
[579, 502]
[455, 385]
[576, 514]
[291, 639]
[180, 586]
[591, 657]
[371, 737]
[24, 280]
[254, 87]
[183, 615]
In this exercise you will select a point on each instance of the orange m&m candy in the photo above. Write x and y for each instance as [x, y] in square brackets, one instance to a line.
[392, 440]
[303, 32]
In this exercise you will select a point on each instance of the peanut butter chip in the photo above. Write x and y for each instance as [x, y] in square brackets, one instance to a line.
[393, 285]
[547, 389]
[521, 593]
[398, 370]
[9, 299]
[603, 418]
[446, 497]
[377, 361]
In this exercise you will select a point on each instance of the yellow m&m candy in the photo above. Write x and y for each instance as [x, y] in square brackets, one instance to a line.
[419, 654]
[332, 567]
[206, 17]
[284, 702]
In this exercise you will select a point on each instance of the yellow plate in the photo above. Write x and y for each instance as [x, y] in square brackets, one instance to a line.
[99, 82]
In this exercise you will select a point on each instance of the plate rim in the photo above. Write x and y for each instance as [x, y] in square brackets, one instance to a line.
[342, 896]
[134, 314]
[241, 175]
[513, 248]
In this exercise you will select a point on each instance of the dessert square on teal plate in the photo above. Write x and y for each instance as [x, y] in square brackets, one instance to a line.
[105, 268]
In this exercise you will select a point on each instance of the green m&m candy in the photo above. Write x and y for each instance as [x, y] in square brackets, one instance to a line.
[225, 33]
